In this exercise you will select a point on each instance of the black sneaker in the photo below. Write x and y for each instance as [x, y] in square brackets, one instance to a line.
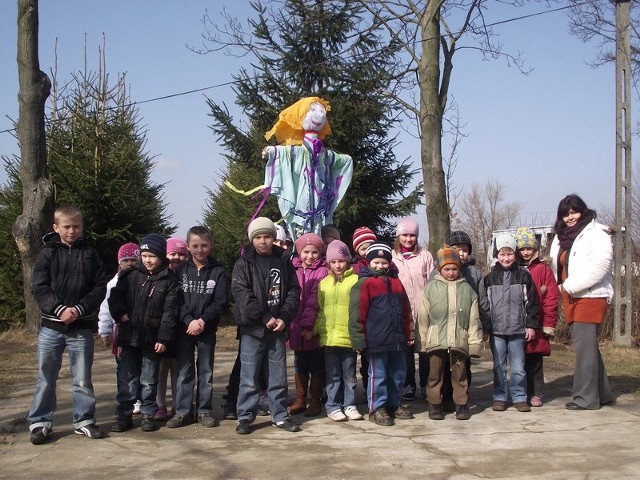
[122, 424]
[287, 425]
[148, 424]
[91, 431]
[244, 427]
[39, 435]
[230, 413]
[207, 420]
[180, 421]
[435, 412]
[462, 412]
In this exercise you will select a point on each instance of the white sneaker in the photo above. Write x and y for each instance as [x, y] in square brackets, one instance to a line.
[352, 413]
[136, 407]
[337, 416]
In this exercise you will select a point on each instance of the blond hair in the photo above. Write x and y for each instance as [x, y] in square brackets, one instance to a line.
[68, 211]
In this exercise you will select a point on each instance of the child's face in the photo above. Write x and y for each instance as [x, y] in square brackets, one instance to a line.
[379, 264]
[527, 253]
[263, 244]
[69, 229]
[309, 255]
[362, 249]
[506, 257]
[175, 259]
[450, 272]
[127, 263]
[463, 251]
[408, 240]
[150, 261]
[338, 267]
[199, 248]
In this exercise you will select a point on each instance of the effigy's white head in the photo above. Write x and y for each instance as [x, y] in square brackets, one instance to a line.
[316, 118]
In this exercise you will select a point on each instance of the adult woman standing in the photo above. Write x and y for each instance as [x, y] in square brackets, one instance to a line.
[582, 257]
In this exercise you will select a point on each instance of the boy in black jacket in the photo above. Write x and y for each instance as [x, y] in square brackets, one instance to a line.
[69, 284]
[144, 305]
[204, 290]
[267, 295]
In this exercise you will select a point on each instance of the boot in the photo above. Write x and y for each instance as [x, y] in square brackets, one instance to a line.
[315, 389]
[300, 403]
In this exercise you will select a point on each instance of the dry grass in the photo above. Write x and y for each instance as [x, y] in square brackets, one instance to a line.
[18, 360]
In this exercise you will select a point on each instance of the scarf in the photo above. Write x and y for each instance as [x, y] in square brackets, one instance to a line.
[567, 235]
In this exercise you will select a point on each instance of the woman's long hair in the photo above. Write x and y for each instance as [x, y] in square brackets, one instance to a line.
[575, 203]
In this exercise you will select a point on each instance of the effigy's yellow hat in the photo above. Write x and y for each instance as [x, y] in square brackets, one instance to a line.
[288, 129]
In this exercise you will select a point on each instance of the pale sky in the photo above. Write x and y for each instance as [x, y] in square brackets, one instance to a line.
[543, 135]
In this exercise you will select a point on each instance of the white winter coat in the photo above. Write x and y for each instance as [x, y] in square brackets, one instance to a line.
[589, 274]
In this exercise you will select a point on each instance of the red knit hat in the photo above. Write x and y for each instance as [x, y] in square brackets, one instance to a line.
[363, 235]
[128, 251]
[177, 245]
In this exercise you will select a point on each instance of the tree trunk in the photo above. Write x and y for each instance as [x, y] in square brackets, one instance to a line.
[431, 114]
[37, 191]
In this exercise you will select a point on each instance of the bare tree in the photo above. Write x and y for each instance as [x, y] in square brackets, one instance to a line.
[482, 210]
[37, 191]
[429, 31]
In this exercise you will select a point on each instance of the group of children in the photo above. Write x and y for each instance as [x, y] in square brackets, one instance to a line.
[162, 308]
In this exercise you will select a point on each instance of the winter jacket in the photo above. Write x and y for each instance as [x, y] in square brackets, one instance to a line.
[358, 264]
[68, 276]
[308, 278]
[548, 293]
[204, 294]
[151, 303]
[414, 273]
[509, 296]
[105, 320]
[448, 318]
[334, 298]
[248, 288]
[589, 263]
[379, 312]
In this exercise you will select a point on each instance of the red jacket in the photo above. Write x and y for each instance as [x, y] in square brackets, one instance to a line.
[548, 293]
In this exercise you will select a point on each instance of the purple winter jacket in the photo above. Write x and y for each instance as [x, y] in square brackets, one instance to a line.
[308, 278]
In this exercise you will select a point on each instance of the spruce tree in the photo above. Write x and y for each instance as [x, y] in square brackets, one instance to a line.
[312, 48]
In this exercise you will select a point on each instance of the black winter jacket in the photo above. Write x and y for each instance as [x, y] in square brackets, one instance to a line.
[150, 301]
[249, 292]
[66, 276]
[204, 294]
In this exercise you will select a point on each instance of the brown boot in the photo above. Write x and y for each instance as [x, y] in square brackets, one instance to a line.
[315, 390]
[300, 403]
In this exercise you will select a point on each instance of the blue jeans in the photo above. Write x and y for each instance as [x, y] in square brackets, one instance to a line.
[51, 345]
[511, 347]
[186, 363]
[340, 368]
[137, 374]
[253, 352]
[387, 372]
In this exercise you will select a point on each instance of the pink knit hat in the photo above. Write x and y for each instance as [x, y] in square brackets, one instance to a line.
[177, 245]
[407, 225]
[363, 235]
[128, 251]
[309, 239]
[338, 250]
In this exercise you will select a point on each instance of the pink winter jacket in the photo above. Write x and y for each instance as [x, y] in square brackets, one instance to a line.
[309, 279]
[414, 273]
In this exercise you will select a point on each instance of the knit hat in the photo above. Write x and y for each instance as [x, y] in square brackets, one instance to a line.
[458, 238]
[505, 240]
[407, 225]
[330, 231]
[363, 235]
[154, 243]
[281, 233]
[448, 255]
[128, 251]
[526, 238]
[177, 245]
[262, 226]
[309, 239]
[338, 250]
[379, 250]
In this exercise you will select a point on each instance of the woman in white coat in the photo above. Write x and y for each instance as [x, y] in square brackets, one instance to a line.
[582, 257]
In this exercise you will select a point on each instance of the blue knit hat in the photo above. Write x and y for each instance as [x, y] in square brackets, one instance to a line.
[154, 243]
[379, 250]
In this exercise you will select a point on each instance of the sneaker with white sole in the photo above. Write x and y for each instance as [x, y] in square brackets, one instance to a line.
[39, 435]
[352, 413]
[337, 416]
[91, 431]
